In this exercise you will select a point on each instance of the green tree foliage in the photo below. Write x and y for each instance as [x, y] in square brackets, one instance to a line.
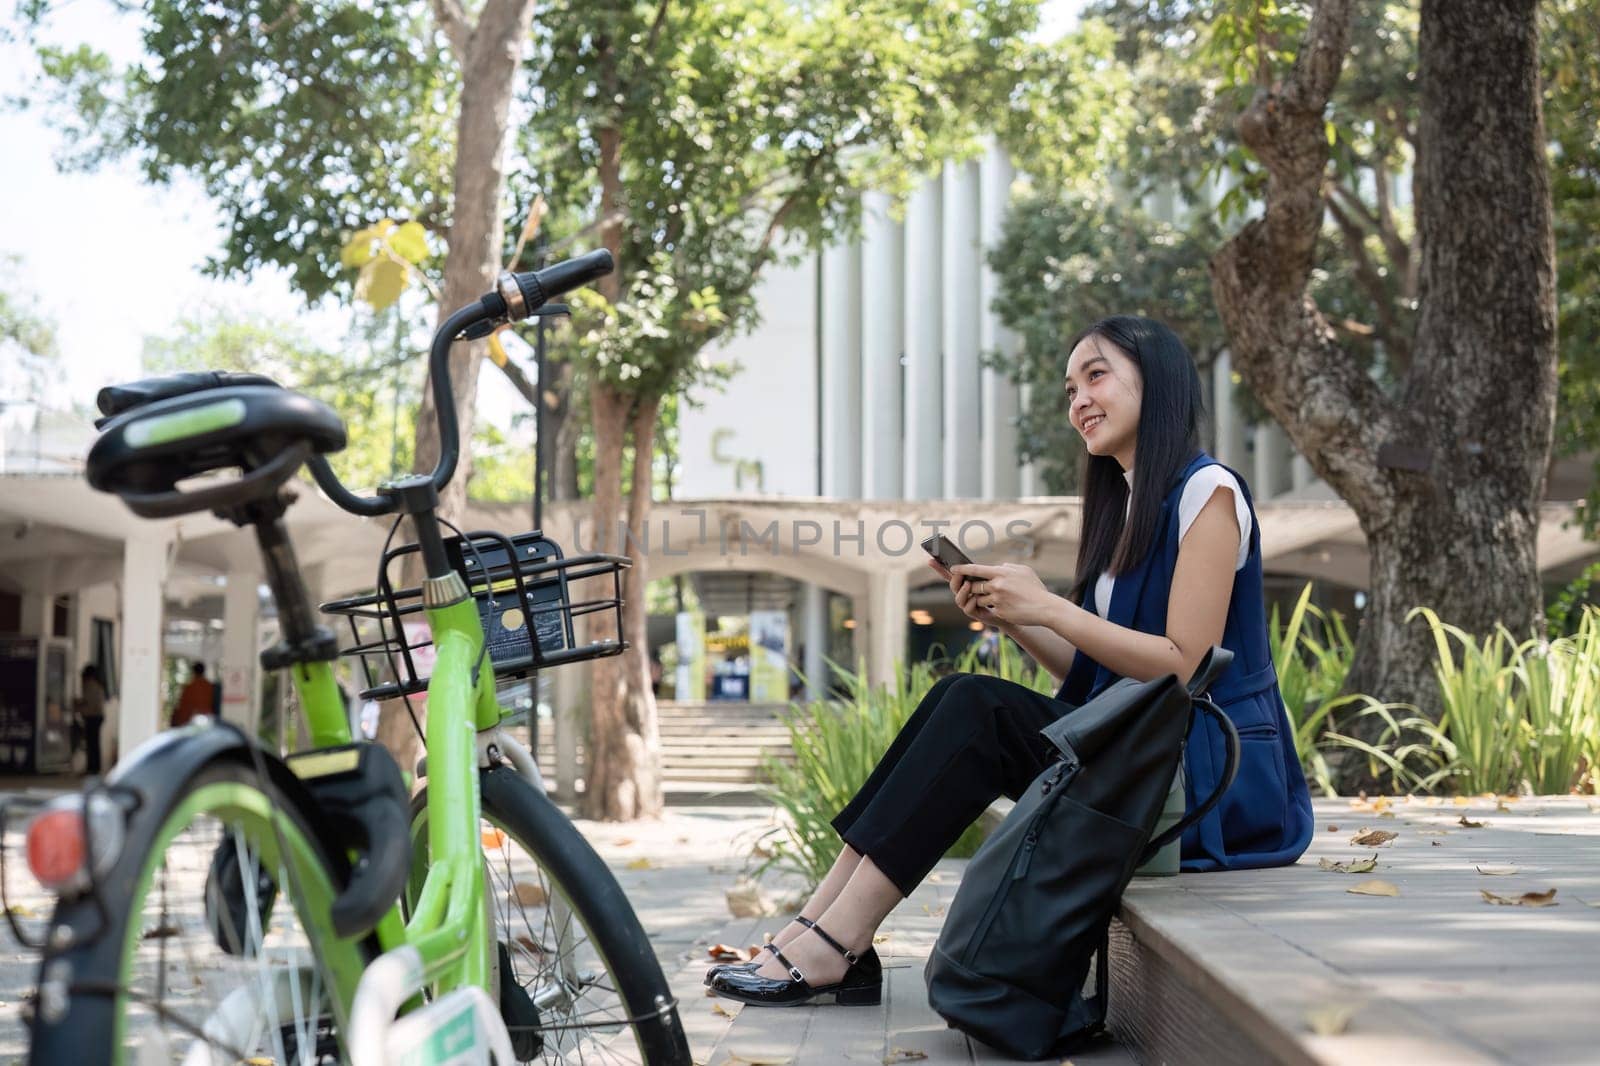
[1169, 152]
[28, 348]
[376, 393]
[303, 121]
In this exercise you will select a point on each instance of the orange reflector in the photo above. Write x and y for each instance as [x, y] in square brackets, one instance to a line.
[493, 839]
[55, 847]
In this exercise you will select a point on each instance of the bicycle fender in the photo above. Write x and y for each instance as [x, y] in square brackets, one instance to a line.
[361, 797]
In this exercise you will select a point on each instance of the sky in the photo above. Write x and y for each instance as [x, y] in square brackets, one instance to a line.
[142, 247]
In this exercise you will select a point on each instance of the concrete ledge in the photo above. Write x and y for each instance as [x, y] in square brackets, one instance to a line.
[1232, 967]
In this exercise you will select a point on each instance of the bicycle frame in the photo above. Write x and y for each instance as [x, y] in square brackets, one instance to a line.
[449, 924]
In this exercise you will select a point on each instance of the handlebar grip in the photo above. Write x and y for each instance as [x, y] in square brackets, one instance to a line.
[541, 286]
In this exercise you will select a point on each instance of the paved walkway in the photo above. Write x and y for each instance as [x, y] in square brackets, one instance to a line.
[1434, 974]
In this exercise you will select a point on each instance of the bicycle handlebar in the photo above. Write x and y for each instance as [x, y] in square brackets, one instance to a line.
[515, 297]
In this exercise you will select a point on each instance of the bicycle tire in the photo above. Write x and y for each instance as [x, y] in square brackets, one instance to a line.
[582, 879]
[95, 1026]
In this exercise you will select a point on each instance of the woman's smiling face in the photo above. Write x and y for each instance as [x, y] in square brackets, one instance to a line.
[1104, 394]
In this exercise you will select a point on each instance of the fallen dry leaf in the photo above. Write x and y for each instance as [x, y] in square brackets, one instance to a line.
[761, 851]
[933, 912]
[493, 839]
[757, 1060]
[746, 900]
[726, 953]
[1385, 814]
[881, 938]
[1375, 887]
[531, 946]
[1333, 829]
[683, 840]
[622, 842]
[1437, 843]
[1330, 1020]
[1461, 801]
[1432, 801]
[1527, 899]
[1354, 866]
[1373, 838]
[161, 932]
[529, 895]
[1501, 806]
[1496, 871]
[901, 1054]
[1381, 803]
[718, 1008]
[1467, 823]
[1433, 832]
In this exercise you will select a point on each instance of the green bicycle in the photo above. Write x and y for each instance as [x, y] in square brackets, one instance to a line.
[219, 905]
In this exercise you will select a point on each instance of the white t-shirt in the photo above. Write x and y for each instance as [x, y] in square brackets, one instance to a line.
[1204, 484]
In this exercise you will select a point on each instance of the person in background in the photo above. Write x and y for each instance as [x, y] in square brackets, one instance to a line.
[92, 711]
[198, 697]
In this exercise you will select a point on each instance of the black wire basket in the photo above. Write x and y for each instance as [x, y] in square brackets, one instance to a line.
[528, 595]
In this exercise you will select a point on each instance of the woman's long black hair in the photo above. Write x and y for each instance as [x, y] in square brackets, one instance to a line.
[1168, 437]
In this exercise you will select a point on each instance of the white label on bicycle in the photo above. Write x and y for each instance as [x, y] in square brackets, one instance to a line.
[444, 1033]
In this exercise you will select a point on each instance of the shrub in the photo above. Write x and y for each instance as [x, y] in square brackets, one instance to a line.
[837, 743]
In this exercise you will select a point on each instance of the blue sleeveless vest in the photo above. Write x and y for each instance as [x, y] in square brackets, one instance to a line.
[1264, 819]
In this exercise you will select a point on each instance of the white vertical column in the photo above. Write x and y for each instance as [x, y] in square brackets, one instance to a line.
[241, 686]
[841, 370]
[962, 396]
[815, 623]
[1230, 446]
[924, 461]
[1001, 477]
[1272, 474]
[569, 723]
[1029, 481]
[144, 571]
[1300, 472]
[882, 340]
[886, 636]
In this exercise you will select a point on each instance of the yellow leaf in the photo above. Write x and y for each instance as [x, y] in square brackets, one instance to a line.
[641, 864]
[1461, 801]
[1496, 871]
[356, 252]
[493, 839]
[1527, 899]
[1354, 866]
[718, 1008]
[381, 282]
[880, 938]
[1374, 887]
[410, 242]
[1330, 1020]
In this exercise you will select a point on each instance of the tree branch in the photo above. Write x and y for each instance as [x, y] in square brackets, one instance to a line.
[452, 19]
[1280, 341]
[1370, 280]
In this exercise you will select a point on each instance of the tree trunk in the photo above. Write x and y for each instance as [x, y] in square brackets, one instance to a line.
[621, 780]
[1448, 476]
[490, 53]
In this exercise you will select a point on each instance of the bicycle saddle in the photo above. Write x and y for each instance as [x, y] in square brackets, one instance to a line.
[113, 400]
[203, 423]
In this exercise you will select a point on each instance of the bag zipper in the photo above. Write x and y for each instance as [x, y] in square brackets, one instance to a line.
[1024, 856]
[1031, 839]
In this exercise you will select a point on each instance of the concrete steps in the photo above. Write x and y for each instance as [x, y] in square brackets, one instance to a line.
[709, 751]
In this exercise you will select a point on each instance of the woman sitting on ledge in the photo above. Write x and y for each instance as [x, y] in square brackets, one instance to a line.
[1169, 564]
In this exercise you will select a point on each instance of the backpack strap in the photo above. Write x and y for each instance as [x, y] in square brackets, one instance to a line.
[1230, 740]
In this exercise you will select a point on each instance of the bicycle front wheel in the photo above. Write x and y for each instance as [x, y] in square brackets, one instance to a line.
[573, 945]
[211, 942]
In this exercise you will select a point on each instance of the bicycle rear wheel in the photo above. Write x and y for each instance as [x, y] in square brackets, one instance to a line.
[572, 941]
[215, 935]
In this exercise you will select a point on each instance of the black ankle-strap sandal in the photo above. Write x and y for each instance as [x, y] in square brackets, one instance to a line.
[755, 962]
[862, 984]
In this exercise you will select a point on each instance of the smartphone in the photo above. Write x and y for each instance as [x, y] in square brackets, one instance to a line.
[944, 550]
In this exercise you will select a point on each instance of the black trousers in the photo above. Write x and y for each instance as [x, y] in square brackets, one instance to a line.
[972, 739]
